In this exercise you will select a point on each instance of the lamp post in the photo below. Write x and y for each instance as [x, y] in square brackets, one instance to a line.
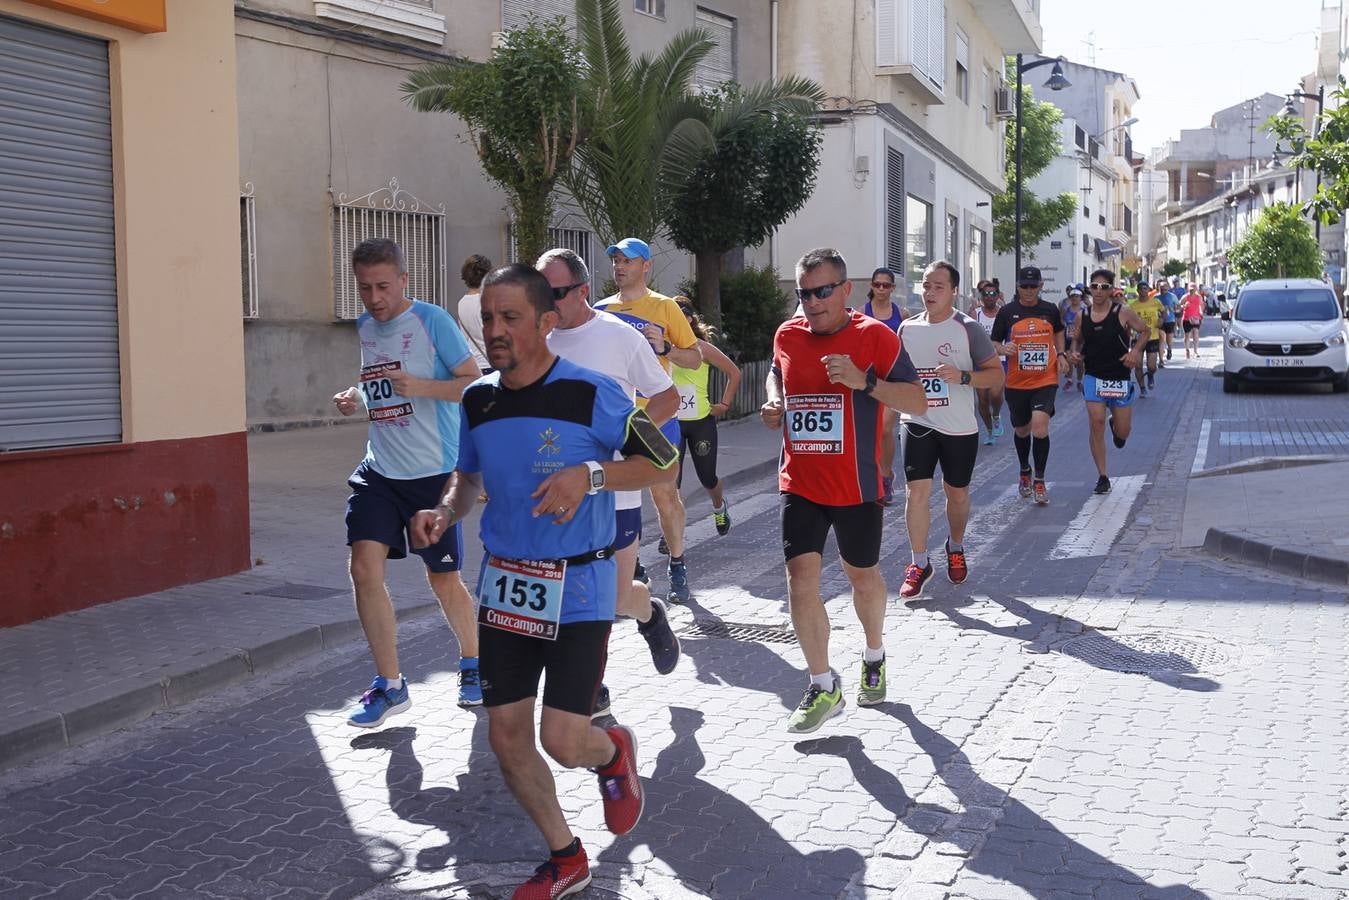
[1056, 82]
[1290, 110]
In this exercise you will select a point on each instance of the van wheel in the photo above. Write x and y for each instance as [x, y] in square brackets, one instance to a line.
[1230, 385]
[1341, 385]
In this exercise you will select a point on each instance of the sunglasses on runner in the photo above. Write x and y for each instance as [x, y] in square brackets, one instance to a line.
[882, 284]
[824, 291]
[560, 292]
[1101, 286]
[989, 292]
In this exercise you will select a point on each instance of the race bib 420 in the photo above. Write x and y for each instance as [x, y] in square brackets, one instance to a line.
[814, 423]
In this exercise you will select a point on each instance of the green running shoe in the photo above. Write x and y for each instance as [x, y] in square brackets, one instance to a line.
[816, 706]
[871, 690]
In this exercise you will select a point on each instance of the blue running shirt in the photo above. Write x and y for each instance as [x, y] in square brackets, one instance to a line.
[410, 437]
[516, 439]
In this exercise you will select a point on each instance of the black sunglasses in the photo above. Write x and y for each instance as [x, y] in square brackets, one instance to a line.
[1029, 284]
[560, 292]
[824, 291]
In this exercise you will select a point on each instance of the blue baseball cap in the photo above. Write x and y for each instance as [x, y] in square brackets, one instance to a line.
[631, 248]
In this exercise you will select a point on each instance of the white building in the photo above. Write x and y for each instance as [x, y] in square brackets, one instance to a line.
[913, 146]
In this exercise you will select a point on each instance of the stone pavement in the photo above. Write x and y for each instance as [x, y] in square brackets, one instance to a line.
[111, 665]
[1147, 722]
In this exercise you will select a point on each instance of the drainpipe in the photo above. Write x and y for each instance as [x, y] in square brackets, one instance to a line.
[773, 74]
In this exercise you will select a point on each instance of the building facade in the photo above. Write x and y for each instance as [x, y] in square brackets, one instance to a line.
[330, 154]
[913, 143]
[123, 462]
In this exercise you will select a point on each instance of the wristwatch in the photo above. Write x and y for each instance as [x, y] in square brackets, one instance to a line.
[596, 477]
[965, 377]
[666, 351]
[871, 382]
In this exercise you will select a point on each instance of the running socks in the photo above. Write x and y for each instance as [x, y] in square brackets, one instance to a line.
[1022, 450]
[570, 850]
[825, 681]
[921, 560]
[1040, 449]
[869, 655]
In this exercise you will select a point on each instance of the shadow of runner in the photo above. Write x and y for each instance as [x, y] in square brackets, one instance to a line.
[1041, 630]
[1019, 847]
[479, 817]
[743, 664]
[715, 842]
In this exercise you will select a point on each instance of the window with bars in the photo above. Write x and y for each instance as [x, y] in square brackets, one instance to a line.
[577, 240]
[894, 210]
[248, 251]
[718, 67]
[650, 7]
[394, 214]
[516, 13]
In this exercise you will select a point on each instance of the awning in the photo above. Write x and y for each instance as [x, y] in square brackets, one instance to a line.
[1105, 248]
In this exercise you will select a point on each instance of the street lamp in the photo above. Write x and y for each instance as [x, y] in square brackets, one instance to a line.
[1056, 82]
[1290, 110]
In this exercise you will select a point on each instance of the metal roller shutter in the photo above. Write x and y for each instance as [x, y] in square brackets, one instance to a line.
[59, 362]
[516, 13]
[718, 67]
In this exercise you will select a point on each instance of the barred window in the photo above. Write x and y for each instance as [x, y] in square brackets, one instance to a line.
[578, 240]
[397, 215]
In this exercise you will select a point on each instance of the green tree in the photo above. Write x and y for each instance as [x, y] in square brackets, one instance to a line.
[523, 112]
[1174, 267]
[1327, 153]
[634, 107]
[754, 305]
[1040, 143]
[743, 162]
[1279, 245]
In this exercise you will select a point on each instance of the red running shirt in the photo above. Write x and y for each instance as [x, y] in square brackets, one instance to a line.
[831, 434]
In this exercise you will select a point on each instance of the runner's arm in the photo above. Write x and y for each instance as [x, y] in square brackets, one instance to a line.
[723, 364]
[771, 412]
[461, 491]
[451, 389]
[661, 407]
[685, 357]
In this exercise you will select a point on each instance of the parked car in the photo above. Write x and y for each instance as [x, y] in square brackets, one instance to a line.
[1286, 330]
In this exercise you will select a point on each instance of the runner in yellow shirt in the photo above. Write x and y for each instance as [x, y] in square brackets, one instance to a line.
[662, 323]
[1152, 311]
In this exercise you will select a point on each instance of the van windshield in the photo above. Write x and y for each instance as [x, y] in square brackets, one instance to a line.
[1308, 305]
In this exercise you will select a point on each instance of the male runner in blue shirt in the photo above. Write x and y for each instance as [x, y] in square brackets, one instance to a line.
[540, 434]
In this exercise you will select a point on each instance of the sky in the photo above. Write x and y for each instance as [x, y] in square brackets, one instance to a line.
[1189, 58]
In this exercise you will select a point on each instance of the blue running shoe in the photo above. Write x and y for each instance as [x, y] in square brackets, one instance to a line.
[380, 702]
[679, 582]
[997, 426]
[470, 690]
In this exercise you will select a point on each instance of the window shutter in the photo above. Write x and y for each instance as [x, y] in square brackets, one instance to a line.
[718, 67]
[936, 23]
[887, 32]
[60, 364]
[894, 211]
[515, 13]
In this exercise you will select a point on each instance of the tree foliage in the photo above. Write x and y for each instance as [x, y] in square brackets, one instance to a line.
[1173, 267]
[742, 163]
[635, 104]
[753, 306]
[1326, 153]
[1279, 245]
[523, 110]
[1040, 143]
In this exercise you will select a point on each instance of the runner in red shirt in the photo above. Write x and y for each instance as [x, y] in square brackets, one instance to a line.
[834, 372]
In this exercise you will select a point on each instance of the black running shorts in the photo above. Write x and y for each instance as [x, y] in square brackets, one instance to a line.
[509, 666]
[1153, 346]
[857, 529]
[1021, 403]
[700, 437]
[925, 449]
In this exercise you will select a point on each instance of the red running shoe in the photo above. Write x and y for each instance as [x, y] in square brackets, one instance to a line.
[956, 569]
[1041, 493]
[620, 787]
[914, 579]
[1023, 484]
[560, 876]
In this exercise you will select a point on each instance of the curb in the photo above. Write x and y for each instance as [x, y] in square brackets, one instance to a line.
[1227, 545]
[73, 720]
[1269, 463]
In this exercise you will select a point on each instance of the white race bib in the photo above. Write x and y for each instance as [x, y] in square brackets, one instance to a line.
[1033, 357]
[937, 390]
[381, 402]
[522, 596]
[1112, 390]
[814, 423]
[688, 401]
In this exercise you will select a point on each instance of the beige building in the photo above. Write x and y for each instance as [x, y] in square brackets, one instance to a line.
[913, 150]
[123, 463]
[330, 154]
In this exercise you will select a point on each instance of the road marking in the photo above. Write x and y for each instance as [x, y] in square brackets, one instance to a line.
[1283, 439]
[704, 529]
[1102, 518]
[1201, 453]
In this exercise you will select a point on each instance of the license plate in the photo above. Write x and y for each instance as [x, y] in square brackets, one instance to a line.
[1281, 362]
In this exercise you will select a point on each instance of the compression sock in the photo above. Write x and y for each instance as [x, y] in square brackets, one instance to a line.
[1022, 450]
[1040, 449]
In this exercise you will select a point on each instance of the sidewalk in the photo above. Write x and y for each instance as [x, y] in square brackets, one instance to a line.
[109, 666]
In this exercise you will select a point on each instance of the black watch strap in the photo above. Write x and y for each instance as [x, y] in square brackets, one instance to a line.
[871, 382]
[965, 377]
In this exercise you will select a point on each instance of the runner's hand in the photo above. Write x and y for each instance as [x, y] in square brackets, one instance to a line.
[561, 493]
[654, 336]
[1063, 364]
[405, 385]
[1007, 348]
[427, 527]
[346, 401]
[841, 370]
[719, 409]
[1131, 359]
[948, 373]
[771, 413]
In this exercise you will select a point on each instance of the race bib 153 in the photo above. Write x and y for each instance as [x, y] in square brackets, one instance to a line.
[522, 596]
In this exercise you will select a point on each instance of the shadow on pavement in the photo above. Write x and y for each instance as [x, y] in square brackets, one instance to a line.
[1020, 847]
[717, 843]
[1041, 629]
[744, 664]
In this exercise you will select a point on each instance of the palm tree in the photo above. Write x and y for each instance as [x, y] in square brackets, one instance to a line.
[633, 108]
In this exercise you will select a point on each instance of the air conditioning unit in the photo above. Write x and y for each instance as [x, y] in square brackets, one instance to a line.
[1004, 104]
